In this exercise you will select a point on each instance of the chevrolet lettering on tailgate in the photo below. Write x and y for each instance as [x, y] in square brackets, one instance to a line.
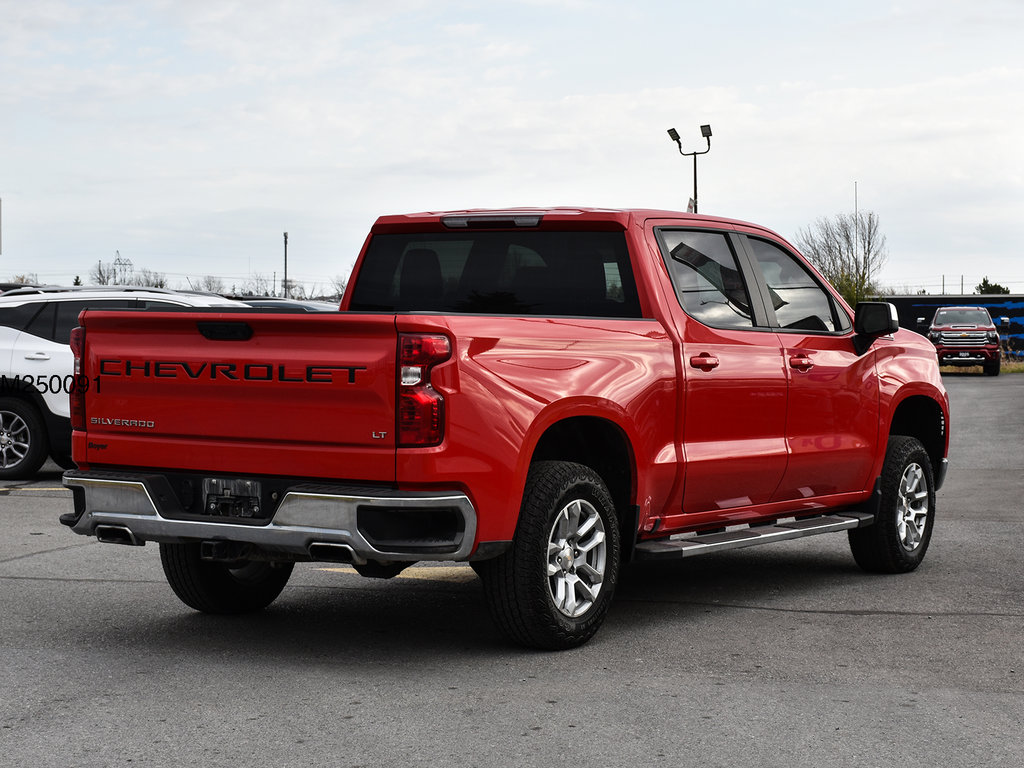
[170, 369]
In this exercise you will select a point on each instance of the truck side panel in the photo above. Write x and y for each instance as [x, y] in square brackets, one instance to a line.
[513, 379]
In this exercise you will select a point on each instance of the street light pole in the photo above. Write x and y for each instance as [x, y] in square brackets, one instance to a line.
[705, 131]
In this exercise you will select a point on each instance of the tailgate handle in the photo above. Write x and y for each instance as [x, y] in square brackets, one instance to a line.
[225, 331]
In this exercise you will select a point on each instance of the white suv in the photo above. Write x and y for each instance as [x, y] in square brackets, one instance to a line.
[36, 364]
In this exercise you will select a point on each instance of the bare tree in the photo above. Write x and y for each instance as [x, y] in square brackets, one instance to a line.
[257, 285]
[339, 284]
[116, 274]
[102, 274]
[147, 278]
[211, 284]
[849, 250]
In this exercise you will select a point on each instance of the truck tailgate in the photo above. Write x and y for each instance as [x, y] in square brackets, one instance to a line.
[303, 395]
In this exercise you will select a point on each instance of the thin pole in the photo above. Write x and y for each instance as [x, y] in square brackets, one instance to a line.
[284, 284]
[856, 219]
[695, 183]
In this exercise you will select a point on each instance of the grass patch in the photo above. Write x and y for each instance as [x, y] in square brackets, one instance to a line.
[1007, 367]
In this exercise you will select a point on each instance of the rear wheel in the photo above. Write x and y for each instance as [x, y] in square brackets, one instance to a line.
[243, 586]
[23, 442]
[899, 537]
[552, 588]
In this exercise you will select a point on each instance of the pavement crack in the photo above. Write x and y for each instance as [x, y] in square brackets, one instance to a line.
[847, 612]
[46, 552]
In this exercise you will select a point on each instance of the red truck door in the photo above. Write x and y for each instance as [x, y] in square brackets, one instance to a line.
[734, 382]
[832, 421]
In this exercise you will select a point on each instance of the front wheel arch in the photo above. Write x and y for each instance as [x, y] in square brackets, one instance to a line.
[898, 539]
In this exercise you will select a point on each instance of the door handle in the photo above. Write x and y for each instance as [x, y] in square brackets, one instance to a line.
[800, 362]
[37, 356]
[705, 361]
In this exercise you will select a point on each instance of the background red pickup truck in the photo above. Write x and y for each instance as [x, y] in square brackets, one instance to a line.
[966, 336]
[547, 394]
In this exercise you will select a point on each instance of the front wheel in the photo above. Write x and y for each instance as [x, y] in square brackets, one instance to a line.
[552, 589]
[244, 586]
[992, 369]
[898, 539]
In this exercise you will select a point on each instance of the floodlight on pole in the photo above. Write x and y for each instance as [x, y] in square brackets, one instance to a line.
[705, 131]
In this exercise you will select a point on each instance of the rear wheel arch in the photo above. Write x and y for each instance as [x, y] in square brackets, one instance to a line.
[552, 588]
[603, 446]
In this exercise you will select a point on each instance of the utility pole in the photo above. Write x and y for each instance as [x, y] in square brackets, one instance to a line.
[856, 220]
[284, 283]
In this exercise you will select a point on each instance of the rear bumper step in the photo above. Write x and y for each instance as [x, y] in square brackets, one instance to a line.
[688, 545]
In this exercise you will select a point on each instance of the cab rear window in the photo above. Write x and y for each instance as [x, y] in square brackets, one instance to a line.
[497, 272]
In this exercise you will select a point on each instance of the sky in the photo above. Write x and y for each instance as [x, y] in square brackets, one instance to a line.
[188, 135]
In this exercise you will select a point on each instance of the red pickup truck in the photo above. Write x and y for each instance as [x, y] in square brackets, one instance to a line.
[966, 336]
[547, 394]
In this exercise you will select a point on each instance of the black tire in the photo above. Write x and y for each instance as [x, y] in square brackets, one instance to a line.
[23, 441]
[992, 369]
[214, 587]
[63, 461]
[898, 539]
[567, 521]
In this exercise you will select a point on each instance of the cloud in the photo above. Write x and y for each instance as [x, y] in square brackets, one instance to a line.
[205, 128]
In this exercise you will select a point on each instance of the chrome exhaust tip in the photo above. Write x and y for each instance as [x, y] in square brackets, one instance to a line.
[330, 552]
[117, 534]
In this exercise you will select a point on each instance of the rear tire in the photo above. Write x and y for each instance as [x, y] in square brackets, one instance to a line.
[227, 588]
[898, 539]
[553, 587]
[23, 441]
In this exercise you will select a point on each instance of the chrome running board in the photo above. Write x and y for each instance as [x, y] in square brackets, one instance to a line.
[688, 545]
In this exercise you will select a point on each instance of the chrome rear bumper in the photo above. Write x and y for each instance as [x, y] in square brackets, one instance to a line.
[315, 522]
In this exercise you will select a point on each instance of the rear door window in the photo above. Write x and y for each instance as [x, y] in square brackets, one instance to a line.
[707, 278]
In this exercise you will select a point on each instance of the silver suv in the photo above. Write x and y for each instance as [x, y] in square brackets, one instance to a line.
[36, 364]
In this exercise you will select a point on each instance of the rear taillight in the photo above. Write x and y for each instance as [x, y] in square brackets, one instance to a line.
[80, 383]
[420, 406]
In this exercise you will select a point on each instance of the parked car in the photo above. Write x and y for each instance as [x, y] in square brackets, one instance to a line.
[281, 304]
[36, 364]
[966, 336]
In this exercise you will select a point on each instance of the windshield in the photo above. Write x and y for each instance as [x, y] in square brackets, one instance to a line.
[974, 316]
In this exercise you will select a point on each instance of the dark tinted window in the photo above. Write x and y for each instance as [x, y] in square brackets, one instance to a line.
[800, 302]
[19, 317]
[68, 311]
[707, 278]
[42, 324]
[498, 272]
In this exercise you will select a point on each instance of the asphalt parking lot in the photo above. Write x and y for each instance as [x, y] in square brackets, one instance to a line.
[785, 655]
